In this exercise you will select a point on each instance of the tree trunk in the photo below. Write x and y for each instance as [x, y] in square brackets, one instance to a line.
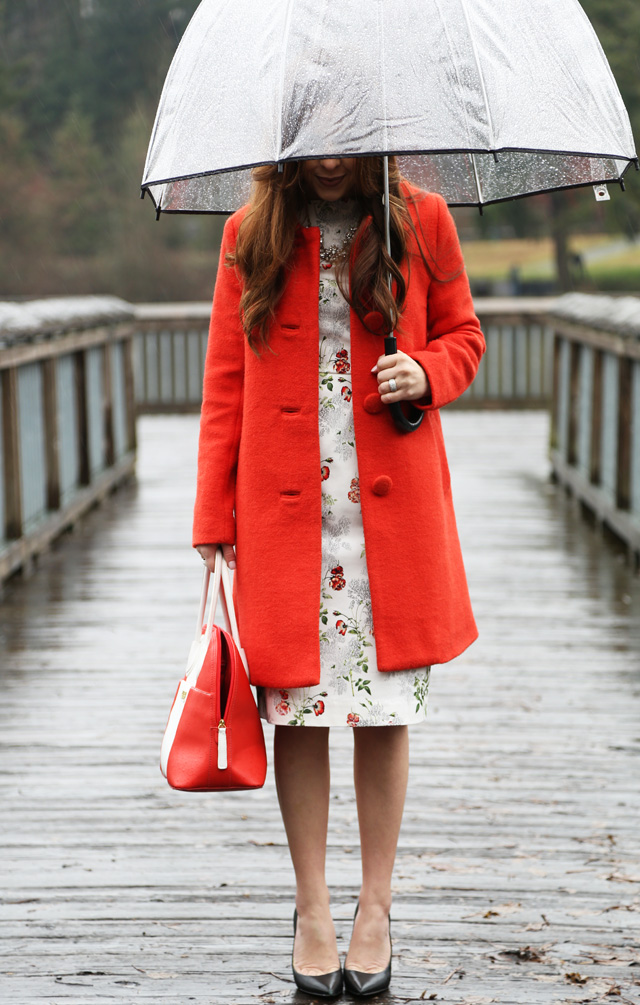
[560, 232]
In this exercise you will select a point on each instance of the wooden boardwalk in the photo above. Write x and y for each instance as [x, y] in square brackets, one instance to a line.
[518, 874]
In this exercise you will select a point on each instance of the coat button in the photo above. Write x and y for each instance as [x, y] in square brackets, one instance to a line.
[373, 403]
[382, 485]
[374, 321]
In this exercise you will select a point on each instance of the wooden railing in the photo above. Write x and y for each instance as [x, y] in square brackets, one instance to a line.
[67, 416]
[595, 438]
[516, 370]
[169, 350]
[171, 342]
[73, 374]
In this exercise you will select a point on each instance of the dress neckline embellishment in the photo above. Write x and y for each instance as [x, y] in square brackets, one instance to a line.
[335, 216]
[337, 252]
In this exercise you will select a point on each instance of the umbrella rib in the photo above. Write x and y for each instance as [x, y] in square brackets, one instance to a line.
[285, 42]
[456, 71]
[463, 4]
[384, 79]
[477, 178]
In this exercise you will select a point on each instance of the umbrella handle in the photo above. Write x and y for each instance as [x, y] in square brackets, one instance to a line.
[402, 421]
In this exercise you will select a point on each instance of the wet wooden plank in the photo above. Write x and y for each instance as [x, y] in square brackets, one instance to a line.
[518, 860]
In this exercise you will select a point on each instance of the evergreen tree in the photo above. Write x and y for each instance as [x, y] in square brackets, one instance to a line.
[79, 85]
[79, 186]
[129, 45]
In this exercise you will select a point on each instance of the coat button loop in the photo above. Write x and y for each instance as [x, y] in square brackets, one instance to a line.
[382, 485]
[373, 403]
[374, 321]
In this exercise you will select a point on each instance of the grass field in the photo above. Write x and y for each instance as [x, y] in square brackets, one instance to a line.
[535, 259]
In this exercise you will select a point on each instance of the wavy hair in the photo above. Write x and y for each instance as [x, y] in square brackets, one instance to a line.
[266, 236]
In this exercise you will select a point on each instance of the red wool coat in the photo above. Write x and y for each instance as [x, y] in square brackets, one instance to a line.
[259, 481]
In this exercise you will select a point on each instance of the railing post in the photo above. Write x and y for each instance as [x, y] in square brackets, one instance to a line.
[573, 403]
[84, 473]
[596, 418]
[554, 434]
[11, 451]
[107, 405]
[51, 438]
[130, 392]
[623, 474]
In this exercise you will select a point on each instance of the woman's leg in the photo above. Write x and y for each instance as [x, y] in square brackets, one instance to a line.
[381, 769]
[301, 757]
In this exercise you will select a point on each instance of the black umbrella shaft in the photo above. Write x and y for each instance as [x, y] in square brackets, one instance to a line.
[387, 214]
[403, 423]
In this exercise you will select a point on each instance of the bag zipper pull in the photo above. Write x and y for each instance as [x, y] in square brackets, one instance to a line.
[222, 744]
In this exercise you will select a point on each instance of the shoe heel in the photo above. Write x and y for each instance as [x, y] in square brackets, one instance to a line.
[321, 985]
[362, 984]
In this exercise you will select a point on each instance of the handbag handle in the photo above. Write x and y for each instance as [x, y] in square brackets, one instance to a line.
[220, 577]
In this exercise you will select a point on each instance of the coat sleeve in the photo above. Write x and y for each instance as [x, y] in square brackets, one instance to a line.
[221, 415]
[455, 341]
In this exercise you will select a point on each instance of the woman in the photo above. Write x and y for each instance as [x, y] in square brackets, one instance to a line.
[301, 480]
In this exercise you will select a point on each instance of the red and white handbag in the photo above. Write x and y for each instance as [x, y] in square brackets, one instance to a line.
[214, 738]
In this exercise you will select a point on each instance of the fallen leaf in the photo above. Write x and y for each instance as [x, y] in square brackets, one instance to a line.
[575, 978]
[617, 877]
[612, 959]
[526, 953]
[497, 909]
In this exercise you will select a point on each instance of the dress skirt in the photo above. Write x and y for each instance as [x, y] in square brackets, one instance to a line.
[352, 691]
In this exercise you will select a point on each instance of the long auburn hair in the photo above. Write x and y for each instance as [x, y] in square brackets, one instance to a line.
[266, 236]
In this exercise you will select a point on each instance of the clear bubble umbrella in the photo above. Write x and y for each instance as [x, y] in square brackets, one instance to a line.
[482, 100]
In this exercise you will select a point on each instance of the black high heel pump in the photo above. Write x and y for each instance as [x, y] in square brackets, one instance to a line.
[321, 985]
[358, 982]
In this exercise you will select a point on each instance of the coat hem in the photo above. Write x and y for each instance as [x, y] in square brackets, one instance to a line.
[406, 665]
[437, 660]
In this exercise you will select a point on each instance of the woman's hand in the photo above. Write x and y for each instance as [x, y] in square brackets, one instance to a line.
[207, 553]
[411, 380]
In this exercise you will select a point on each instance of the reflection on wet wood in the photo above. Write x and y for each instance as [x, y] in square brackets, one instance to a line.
[518, 877]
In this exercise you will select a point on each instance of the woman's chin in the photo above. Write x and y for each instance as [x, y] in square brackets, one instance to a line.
[330, 194]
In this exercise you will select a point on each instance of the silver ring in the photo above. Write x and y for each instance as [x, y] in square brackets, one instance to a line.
[393, 387]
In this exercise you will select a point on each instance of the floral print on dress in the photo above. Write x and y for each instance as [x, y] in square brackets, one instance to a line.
[354, 490]
[352, 691]
[310, 704]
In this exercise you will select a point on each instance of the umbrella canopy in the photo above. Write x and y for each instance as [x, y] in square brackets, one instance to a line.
[483, 100]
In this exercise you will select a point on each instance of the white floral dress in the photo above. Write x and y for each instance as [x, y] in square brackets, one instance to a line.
[352, 691]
